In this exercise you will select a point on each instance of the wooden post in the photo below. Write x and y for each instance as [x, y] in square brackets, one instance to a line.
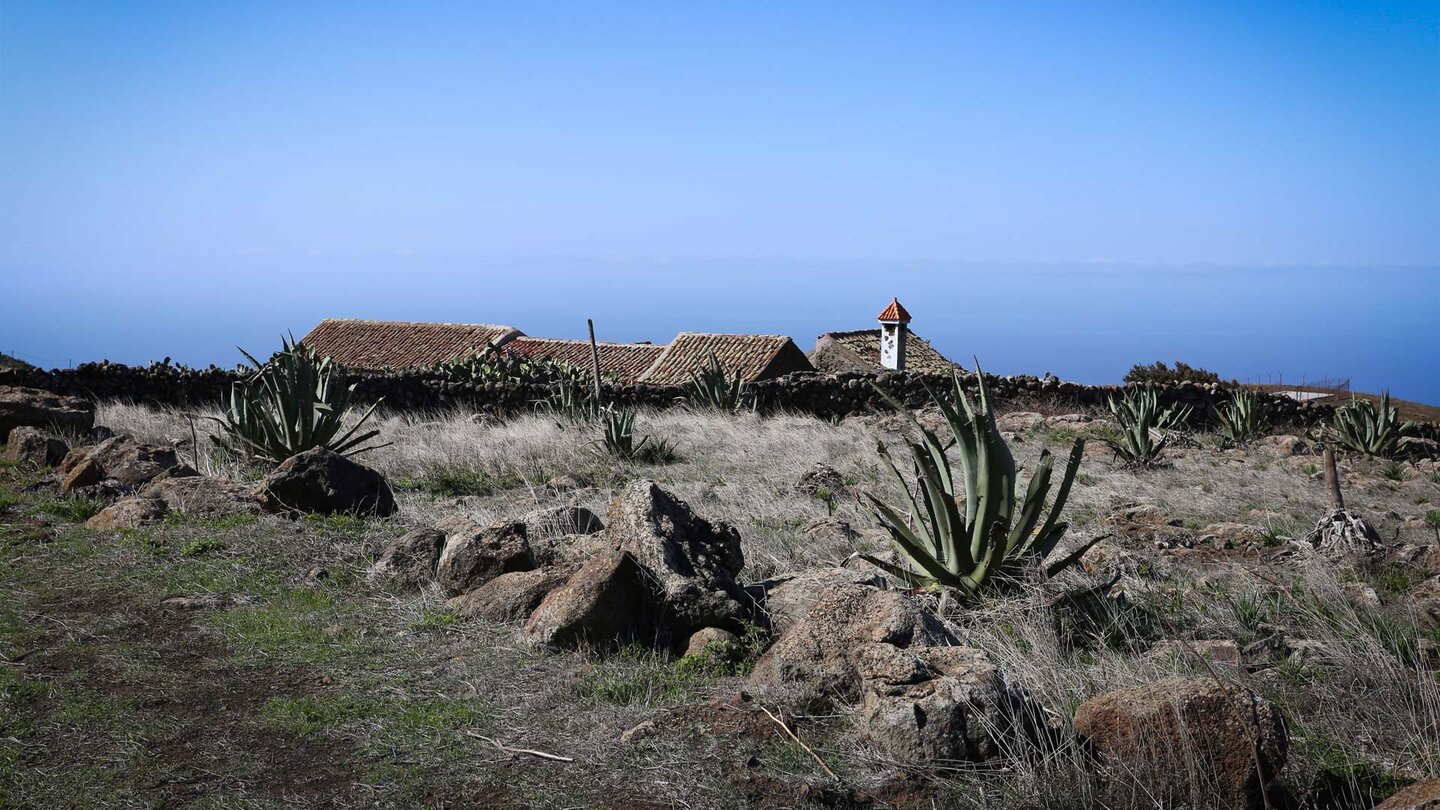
[1332, 481]
[594, 359]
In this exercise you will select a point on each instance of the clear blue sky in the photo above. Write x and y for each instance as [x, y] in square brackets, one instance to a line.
[153, 156]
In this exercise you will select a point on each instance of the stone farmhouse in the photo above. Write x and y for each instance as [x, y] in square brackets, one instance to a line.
[399, 345]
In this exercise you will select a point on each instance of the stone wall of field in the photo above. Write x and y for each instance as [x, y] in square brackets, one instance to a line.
[829, 396]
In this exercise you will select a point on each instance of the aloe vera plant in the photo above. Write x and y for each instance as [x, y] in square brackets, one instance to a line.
[961, 530]
[618, 439]
[1242, 417]
[1362, 427]
[712, 386]
[289, 405]
[1142, 425]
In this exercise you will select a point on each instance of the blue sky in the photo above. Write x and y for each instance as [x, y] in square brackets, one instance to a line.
[153, 156]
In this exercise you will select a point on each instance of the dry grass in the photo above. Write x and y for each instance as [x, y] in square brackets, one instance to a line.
[1360, 701]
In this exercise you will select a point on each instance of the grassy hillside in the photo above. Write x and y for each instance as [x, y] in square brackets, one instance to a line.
[305, 685]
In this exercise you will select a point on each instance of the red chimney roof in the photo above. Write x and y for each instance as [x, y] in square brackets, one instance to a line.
[894, 312]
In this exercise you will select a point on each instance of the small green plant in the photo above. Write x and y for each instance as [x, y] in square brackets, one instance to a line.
[200, 548]
[1393, 471]
[1432, 522]
[618, 439]
[74, 509]
[1242, 417]
[289, 405]
[437, 621]
[713, 387]
[1363, 427]
[1143, 424]
[964, 532]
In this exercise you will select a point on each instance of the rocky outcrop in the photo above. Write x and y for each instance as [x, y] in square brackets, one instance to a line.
[813, 664]
[1232, 740]
[410, 561]
[694, 561]
[562, 520]
[31, 447]
[939, 704]
[129, 513]
[324, 482]
[476, 554]
[510, 597]
[84, 473]
[609, 599]
[201, 497]
[786, 599]
[122, 459]
[32, 407]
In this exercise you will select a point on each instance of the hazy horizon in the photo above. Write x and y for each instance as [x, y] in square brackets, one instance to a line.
[1254, 188]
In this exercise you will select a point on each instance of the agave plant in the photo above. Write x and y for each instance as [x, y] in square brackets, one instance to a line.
[963, 530]
[1242, 417]
[289, 405]
[1361, 427]
[1143, 424]
[618, 439]
[573, 400]
[713, 387]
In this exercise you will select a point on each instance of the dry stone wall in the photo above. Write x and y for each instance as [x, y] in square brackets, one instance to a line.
[829, 396]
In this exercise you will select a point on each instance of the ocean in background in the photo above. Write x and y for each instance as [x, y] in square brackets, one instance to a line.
[1375, 326]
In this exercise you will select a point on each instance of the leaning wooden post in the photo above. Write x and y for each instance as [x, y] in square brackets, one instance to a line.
[594, 360]
[1332, 481]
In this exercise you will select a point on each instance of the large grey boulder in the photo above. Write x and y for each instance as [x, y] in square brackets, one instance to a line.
[475, 554]
[34, 448]
[814, 663]
[32, 407]
[201, 497]
[559, 521]
[786, 599]
[510, 597]
[325, 482]
[1232, 739]
[939, 704]
[693, 560]
[410, 560]
[609, 600]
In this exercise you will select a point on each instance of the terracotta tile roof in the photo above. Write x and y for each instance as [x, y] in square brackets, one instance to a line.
[865, 345]
[378, 345]
[755, 357]
[627, 361]
[894, 312]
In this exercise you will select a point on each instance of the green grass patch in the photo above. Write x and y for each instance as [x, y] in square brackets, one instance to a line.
[457, 481]
[408, 716]
[72, 509]
[296, 624]
[181, 518]
[437, 621]
[639, 676]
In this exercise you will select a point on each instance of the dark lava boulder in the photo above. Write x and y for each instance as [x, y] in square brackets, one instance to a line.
[321, 481]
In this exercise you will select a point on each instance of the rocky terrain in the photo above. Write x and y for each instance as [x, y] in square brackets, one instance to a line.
[493, 613]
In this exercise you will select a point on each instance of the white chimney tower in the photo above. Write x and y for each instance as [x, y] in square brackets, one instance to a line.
[892, 335]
